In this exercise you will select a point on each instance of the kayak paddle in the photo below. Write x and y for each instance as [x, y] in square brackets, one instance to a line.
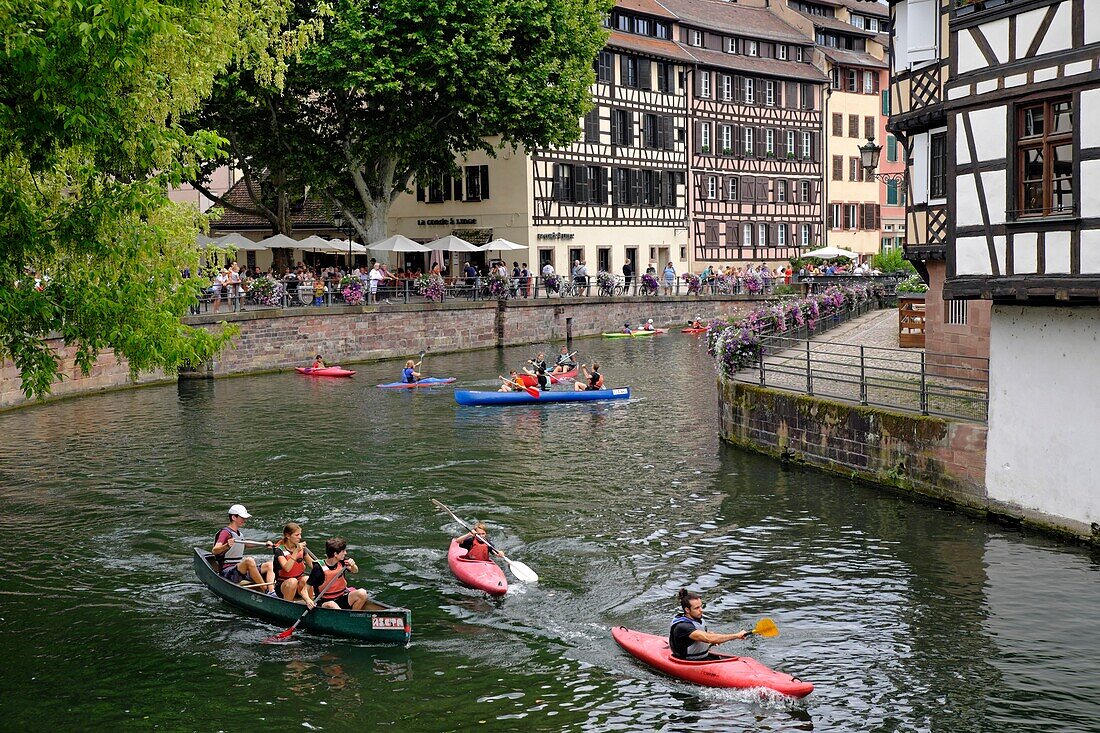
[765, 627]
[520, 570]
[284, 635]
[529, 390]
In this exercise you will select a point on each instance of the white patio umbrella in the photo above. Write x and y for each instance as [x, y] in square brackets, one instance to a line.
[314, 244]
[347, 246]
[451, 243]
[239, 242]
[397, 243]
[501, 245]
[831, 253]
[202, 240]
[279, 240]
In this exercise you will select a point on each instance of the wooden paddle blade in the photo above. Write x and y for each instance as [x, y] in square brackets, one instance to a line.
[522, 572]
[766, 627]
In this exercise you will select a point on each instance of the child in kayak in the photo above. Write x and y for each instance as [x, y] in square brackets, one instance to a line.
[626, 329]
[565, 362]
[539, 366]
[409, 375]
[688, 637]
[292, 562]
[318, 362]
[329, 575]
[595, 379]
[475, 545]
[648, 326]
[511, 383]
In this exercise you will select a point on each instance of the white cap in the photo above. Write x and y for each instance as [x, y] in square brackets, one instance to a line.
[239, 510]
[650, 321]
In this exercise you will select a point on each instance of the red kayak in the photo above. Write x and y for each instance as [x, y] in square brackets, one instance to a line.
[693, 330]
[483, 575]
[720, 671]
[528, 381]
[332, 371]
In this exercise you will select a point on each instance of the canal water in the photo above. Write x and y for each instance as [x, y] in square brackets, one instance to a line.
[906, 616]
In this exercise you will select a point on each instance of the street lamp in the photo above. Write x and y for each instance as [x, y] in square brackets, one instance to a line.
[338, 220]
[869, 154]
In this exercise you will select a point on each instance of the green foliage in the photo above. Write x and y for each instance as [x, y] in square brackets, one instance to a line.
[88, 147]
[912, 284]
[892, 261]
[785, 289]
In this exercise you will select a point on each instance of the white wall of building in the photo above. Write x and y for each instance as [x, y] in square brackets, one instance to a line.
[1044, 410]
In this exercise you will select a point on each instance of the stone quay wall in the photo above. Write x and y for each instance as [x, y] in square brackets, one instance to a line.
[279, 339]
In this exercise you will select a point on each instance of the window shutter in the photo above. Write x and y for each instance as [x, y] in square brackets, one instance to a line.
[616, 135]
[644, 73]
[670, 188]
[815, 146]
[886, 102]
[458, 188]
[559, 184]
[846, 210]
[875, 84]
[876, 222]
[792, 95]
[921, 27]
[484, 182]
[733, 229]
[698, 136]
[446, 188]
[711, 236]
[580, 183]
[697, 82]
[419, 192]
[624, 69]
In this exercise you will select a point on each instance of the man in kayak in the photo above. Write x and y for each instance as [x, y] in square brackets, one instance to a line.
[228, 550]
[318, 362]
[511, 382]
[330, 575]
[565, 362]
[688, 637]
[648, 325]
[595, 379]
[539, 366]
[409, 375]
[475, 545]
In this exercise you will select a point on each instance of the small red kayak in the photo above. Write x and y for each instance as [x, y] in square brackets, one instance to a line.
[332, 371]
[483, 575]
[721, 671]
[528, 381]
[693, 330]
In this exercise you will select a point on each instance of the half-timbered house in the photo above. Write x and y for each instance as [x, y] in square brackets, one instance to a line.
[1023, 233]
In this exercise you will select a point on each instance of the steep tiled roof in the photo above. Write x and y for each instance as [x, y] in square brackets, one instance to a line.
[756, 65]
[649, 46]
[648, 7]
[311, 213]
[853, 58]
[866, 7]
[734, 19]
[839, 25]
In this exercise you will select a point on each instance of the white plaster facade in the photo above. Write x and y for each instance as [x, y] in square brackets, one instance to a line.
[1044, 410]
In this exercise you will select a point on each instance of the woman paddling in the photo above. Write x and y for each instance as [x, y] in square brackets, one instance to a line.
[475, 545]
[409, 375]
[291, 563]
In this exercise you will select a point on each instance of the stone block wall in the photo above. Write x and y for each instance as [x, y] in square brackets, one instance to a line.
[966, 344]
[926, 455]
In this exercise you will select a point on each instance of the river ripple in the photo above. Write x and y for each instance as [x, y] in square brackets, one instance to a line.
[905, 615]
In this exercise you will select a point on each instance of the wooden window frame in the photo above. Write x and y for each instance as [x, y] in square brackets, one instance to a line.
[937, 182]
[1046, 142]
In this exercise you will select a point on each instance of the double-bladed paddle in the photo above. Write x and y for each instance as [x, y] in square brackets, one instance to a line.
[765, 627]
[520, 570]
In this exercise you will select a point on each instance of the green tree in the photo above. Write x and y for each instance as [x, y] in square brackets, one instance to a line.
[398, 88]
[90, 94]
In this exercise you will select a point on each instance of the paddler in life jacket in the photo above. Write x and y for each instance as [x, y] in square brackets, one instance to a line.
[409, 375]
[595, 379]
[228, 551]
[688, 637]
[565, 362]
[338, 594]
[538, 365]
[475, 545]
[318, 362]
[648, 325]
[292, 562]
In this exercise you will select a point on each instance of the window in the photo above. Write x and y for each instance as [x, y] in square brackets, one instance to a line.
[604, 67]
[807, 96]
[781, 191]
[696, 38]
[869, 127]
[855, 170]
[747, 140]
[838, 168]
[592, 125]
[727, 139]
[838, 124]
[622, 127]
[798, 54]
[620, 188]
[652, 131]
[834, 78]
[834, 216]
[1044, 158]
[857, 21]
[630, 71]
[704, 136]
[790, 143]
[641, 26]
[852, 80]
[781, 52]
[781, 235]
[564, 189]
[868, 82]
[660, 29]
[804, 192]
[937, 166]
[891, 148]
[731, 45]
[872, 25]
[851, 216]
[750, 91]
[704, 84]
[597, 184]
[769, 93]
[762, 235]
[892, 193]
[853, 126]
[622, 22]
[746, 235]
[769, 142]
[956, 312]
[754, 49]
[477, 182]
[727, 87]
[805, 146]
[731, 188]
[805, 235]
[885, 102]
[664, 77]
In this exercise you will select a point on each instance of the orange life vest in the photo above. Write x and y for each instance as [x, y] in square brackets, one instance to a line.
[478, 550]
[338, 586]
[297, 570]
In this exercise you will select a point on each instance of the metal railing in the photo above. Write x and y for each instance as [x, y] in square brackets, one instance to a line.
[947, 385]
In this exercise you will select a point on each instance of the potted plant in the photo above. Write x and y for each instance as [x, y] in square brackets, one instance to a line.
[727, 151]
[705, 150]
[790, 156]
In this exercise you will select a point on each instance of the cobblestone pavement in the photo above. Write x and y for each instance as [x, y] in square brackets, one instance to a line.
[885, 375]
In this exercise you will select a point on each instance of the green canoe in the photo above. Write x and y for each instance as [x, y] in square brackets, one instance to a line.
[621, 335]
[377, 623]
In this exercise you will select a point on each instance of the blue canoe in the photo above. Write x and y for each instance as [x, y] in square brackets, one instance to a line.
[425, 382]
[466, 397]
